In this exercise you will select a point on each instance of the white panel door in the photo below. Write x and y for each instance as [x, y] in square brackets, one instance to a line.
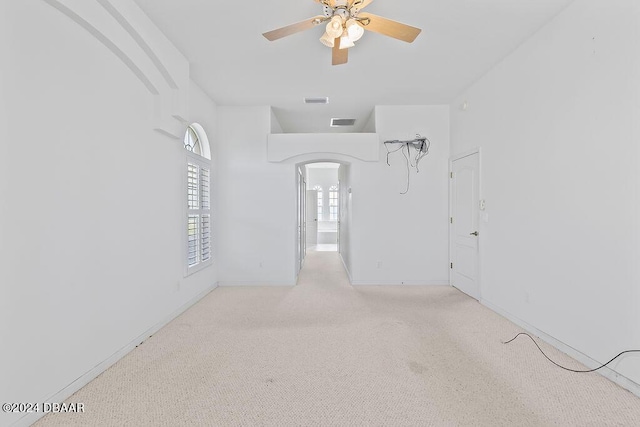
[465, 190]
[312, 218]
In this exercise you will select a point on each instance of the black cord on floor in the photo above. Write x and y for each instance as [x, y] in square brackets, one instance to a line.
[569, 369]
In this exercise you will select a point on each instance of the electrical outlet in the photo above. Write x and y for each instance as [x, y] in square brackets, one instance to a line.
[261, 264]
[379, 264]
[177, 287]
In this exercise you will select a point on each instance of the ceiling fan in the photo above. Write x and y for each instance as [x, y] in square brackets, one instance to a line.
[345, 25]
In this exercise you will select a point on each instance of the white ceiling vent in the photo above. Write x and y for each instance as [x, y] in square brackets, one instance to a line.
[342, 122]
[317, 100]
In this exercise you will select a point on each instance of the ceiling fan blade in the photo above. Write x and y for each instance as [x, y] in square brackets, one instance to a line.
[339, 56]
[330, 3]
[359, 4]
[390, 28]
[294, 28]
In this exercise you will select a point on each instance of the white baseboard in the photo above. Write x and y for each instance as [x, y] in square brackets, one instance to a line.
[90, 375]
[400, 282]
[345, 268]
[590, 363]
[254, 283]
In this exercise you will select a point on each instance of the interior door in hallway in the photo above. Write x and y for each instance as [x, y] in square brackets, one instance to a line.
[312, 218]
[463, 234]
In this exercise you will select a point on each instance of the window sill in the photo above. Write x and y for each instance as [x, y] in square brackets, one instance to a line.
[198, 267]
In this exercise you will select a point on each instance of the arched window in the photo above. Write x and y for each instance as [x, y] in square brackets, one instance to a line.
[333, 203]
[192, 141]
[195, 141]
[319, 190]
[198, 245]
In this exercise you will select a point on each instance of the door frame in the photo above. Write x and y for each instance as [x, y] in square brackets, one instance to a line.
[303, 195]
[300, 236]
[453, 158]
[339, 212]
[343, 161]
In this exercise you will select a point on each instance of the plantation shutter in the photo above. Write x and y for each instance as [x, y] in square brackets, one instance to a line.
[198, 214]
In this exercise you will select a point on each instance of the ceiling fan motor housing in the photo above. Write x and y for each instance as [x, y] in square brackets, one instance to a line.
[342, 12]
[341, 8]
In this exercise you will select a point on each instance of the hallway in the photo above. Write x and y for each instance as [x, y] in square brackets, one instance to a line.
[326, 353]
[324, 247]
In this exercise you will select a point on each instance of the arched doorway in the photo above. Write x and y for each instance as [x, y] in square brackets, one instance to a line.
[323, 208]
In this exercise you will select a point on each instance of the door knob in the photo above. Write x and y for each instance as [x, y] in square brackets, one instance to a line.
[475, 233]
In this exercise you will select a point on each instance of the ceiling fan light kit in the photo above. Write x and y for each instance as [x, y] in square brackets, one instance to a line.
[354, 30]
[345, 26]
[334, 27]
[345, 41]
[327, 40]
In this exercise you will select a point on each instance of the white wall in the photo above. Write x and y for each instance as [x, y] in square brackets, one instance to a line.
[370, 125]
[406, 233]
[93, 219]
[286, 146]
[275, 124]
[402, 238]
[257, 202]
[558, 125]
[124, 29]
[4, 136]
[344, 175]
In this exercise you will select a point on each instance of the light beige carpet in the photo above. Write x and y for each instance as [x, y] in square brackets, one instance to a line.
[324, 353]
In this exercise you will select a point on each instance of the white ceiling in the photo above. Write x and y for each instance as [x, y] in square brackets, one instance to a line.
[460, 41]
